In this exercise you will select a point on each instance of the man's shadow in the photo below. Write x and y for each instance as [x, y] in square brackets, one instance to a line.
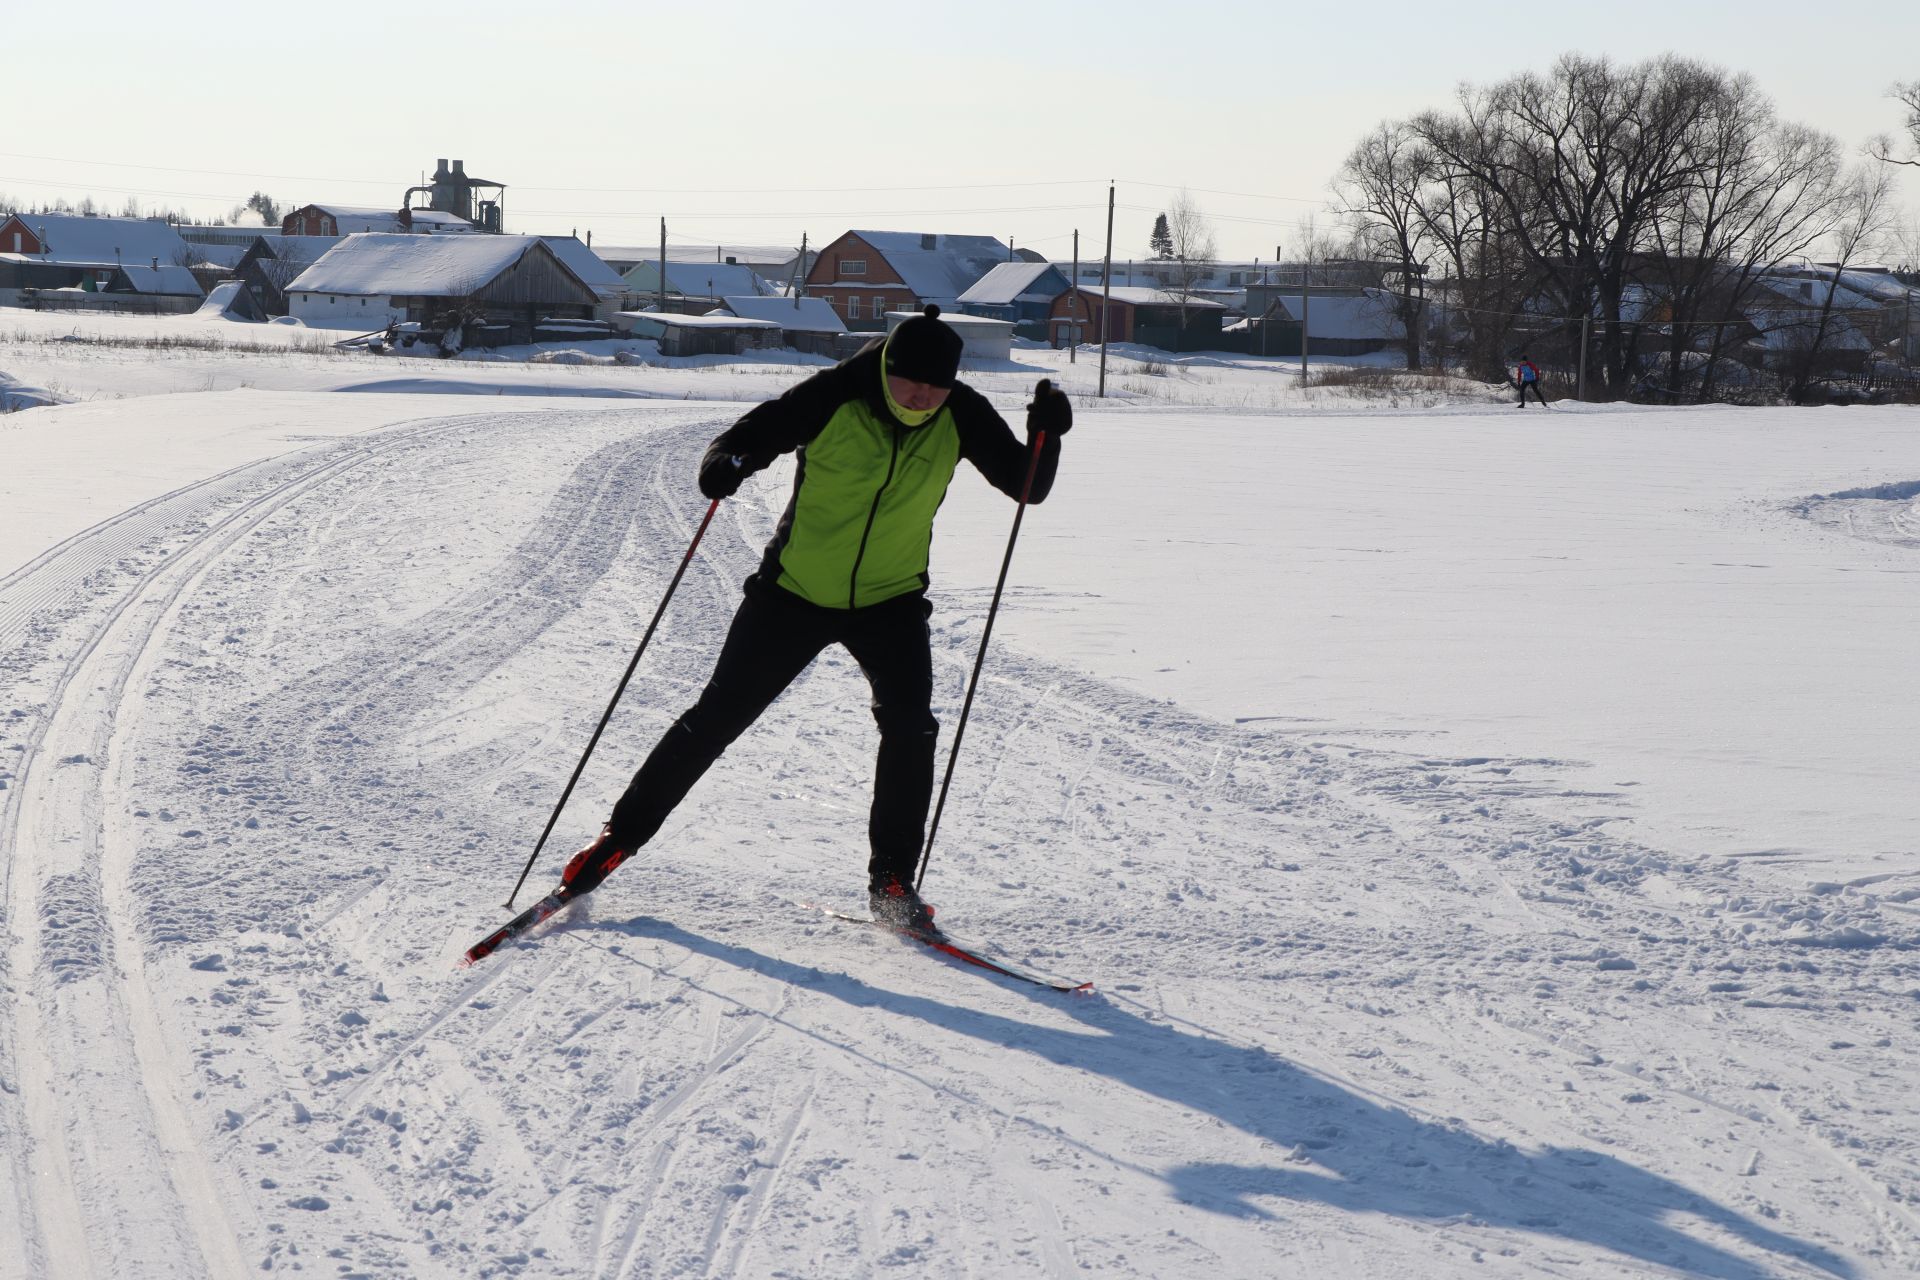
[1382, 1159]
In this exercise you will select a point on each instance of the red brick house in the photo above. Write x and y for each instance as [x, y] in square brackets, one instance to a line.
[865, 274]
[338, 220]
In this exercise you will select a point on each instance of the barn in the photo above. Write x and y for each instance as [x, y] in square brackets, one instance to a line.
[507, 284]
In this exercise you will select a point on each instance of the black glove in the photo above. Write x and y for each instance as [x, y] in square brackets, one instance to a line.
[721, 477]
[1049, 411]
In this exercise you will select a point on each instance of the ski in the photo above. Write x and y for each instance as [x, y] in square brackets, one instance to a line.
[946, 944]
[513, 928]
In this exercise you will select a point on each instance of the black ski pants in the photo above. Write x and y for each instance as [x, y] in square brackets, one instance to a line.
[1533, 387]
[774, 636]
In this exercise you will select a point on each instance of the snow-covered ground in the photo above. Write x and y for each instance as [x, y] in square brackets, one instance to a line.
[1492, 837]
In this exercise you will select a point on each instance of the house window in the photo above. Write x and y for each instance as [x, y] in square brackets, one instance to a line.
[16, 242]
[853, 266]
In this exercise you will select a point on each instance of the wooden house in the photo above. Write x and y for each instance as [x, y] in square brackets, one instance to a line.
[506, 283]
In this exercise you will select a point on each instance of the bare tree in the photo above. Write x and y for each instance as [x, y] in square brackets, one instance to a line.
[1866, 213]
[1761, 192]
[1382, 186]
[1881, 148]
[1193, 251]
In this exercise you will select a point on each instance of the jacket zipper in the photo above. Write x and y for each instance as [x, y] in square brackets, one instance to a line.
[853, 580]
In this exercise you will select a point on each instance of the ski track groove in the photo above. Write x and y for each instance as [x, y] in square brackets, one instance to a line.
[126, 1000]
[748, 1210]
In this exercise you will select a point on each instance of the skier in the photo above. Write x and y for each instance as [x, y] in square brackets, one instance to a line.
[878, 436]
[1526, 375]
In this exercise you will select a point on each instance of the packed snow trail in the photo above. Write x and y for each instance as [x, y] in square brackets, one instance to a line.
[1364, 1011]
[112, 1183]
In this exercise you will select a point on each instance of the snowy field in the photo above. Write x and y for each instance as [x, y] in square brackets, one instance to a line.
[1492, 836]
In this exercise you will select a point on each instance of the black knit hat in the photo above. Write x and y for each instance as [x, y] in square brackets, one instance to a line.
[925, 349]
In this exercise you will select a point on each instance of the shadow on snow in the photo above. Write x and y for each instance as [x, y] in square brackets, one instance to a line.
[1384, 1160]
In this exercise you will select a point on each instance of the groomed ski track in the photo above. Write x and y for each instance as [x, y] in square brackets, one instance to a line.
[278, 742]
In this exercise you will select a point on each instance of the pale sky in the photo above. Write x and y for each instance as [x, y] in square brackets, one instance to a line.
[748, 122]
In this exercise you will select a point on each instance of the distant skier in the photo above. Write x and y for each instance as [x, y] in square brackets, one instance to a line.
[1526, 376]
[878, 436]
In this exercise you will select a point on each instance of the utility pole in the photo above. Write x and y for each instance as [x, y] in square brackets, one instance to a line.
[1106, 292]
[1266, 314]
[1580, 392]
[1306, 288]
[799, 289]
[663, 266]
[1073, 303]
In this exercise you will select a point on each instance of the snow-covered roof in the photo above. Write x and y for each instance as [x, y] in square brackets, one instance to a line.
[747, 255]
[73, 240]
[352, 218]
[1008, 282]
[164, 279]
[697, 279]
[970, 326]
[1136, 296]
[1368, 317]
[1811, 291]
[376, 264]
[588, 265]
[802, 315]
[304, 249]
[1794, 328]
[220, 255]
[712, 320]
[439, 218]
[942, 273]
[242, 236]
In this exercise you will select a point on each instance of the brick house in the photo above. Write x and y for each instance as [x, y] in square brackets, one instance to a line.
[339, 220]
[865, 274]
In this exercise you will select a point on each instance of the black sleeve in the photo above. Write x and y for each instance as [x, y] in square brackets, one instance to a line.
[789, 420]
[990, 445]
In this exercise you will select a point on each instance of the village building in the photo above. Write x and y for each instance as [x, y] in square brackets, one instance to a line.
[613, 291]
[866, 274]
[1150, 317]
[806, 324]
[720, 334]
[229, 300]
[983, 340]
[339, 220]
[774, 263]
[1022, 292]
[499, 288]
[143, 263]
[1339, 322]
[273, 264]
[694, 287]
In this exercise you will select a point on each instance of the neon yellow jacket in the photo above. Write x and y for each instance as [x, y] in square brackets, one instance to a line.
[858, 528]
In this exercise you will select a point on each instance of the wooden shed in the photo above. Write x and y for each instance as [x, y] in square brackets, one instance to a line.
[710, 335]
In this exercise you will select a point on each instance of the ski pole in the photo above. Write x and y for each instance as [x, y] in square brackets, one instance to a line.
[960, 730]
[601, 727]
